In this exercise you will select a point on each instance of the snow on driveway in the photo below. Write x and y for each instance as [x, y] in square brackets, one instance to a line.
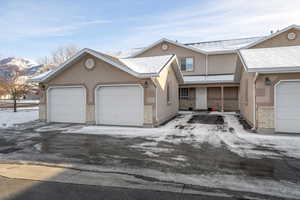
[8, 118]
[259, 145]
[178, 131]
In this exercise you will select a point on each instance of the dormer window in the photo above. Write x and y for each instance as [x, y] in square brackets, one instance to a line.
[187, 64]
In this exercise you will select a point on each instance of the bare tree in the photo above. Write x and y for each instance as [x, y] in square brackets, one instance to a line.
[63, 53]
[16, 87]
[58, 56]
[46, 61]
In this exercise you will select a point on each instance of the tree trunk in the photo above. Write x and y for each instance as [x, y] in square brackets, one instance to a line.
[15, 105]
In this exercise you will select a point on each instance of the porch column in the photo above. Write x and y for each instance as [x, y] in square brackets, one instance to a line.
[222, 98]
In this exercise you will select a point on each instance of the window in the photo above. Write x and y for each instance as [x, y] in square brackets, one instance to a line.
[168, 93]
[184, 93]
[187, 64]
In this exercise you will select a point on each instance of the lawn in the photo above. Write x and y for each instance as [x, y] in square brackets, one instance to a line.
[9, 118]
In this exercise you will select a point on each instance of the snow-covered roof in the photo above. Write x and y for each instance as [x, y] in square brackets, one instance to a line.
[217, 47]
[276, 59]
[145, 67]
[210, 47]
[39, 77]
[222, 78]
[224, 45]
[147, 64]
[142, 50]
[125, 53]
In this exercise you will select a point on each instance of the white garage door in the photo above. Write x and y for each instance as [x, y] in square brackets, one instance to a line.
[288, 107]
[120, 105]
[66, 104]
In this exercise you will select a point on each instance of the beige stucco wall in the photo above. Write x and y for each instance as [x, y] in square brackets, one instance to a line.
[167, 110]
[246, 98]
[222, 64]
[265, 98]
[199, 59]
[280, 40]
[102, 74]
[217, 64]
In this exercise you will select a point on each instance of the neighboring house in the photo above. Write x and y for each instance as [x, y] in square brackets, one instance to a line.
[269, 76]
[270, 88]
[96, 88]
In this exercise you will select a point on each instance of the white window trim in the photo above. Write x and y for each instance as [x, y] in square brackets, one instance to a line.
[190, 70]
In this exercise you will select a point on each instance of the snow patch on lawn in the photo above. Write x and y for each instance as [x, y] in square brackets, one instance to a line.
[9, 118]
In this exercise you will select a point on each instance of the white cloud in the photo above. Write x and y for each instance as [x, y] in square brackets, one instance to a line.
[21, 19]
[58, 30]
[217, 19]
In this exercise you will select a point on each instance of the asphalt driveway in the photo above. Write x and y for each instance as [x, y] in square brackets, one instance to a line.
[192, 144]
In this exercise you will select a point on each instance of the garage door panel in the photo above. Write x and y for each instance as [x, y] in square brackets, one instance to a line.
[288, 107]
[67, 104]
[120, 105]
[286, 114]
[288, 125]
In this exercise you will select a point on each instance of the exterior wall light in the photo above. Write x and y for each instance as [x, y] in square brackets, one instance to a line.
[268, 81]
[43, 87]
[146, 84]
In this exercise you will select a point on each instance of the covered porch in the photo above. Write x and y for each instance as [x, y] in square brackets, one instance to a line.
[215, 98]
[211, 92]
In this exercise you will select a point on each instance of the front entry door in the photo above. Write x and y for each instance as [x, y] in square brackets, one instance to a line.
[201, 98]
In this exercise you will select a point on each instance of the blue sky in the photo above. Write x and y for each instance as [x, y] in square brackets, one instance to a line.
[34, 28]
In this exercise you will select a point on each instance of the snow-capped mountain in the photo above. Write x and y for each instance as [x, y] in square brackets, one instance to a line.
[26, 67]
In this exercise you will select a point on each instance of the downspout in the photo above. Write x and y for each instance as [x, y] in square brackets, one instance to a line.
[206, 64]
[254, 101]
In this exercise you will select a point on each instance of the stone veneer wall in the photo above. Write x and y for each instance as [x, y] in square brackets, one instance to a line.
[265, 115]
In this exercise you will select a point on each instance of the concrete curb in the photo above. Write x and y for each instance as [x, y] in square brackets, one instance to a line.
[78, 174]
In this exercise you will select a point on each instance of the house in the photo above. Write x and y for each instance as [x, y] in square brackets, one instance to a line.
[208, 69]
[252, 75]
[257, 76]
[96, 88]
